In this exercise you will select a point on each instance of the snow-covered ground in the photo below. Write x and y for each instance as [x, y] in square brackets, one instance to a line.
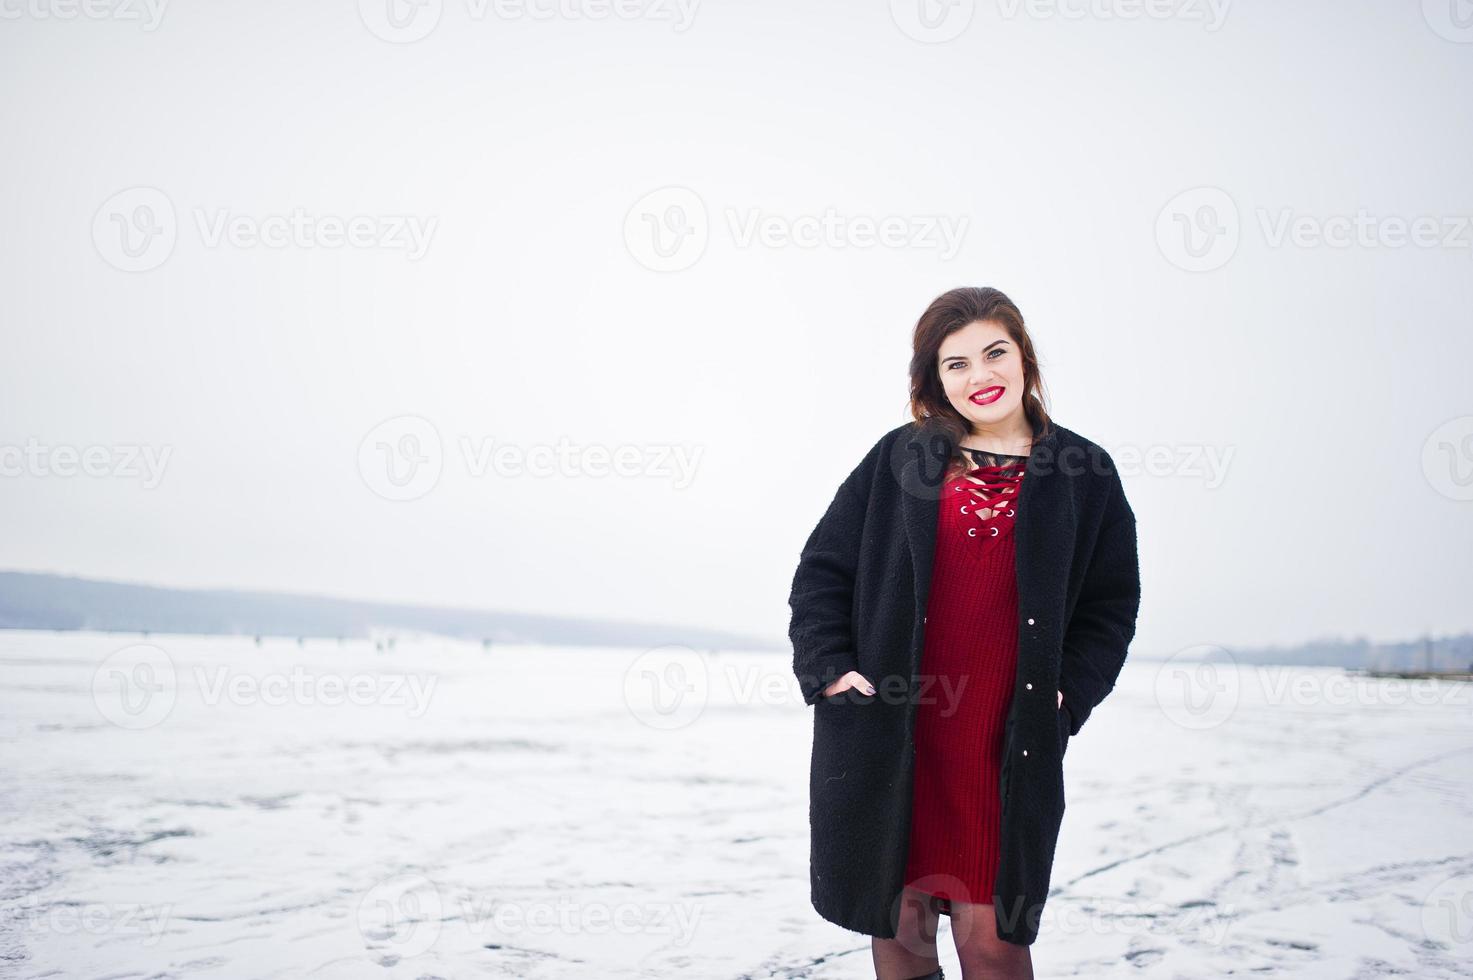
[203, 806]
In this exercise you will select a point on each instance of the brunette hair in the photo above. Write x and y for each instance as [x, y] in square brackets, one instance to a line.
[948, 313]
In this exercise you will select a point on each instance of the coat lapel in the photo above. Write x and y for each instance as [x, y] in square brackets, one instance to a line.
[922, 467]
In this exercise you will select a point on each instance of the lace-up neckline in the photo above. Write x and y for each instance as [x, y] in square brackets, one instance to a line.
[985, 492]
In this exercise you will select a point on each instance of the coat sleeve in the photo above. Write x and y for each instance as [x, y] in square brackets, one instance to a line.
[822, 595]
[1103, 622]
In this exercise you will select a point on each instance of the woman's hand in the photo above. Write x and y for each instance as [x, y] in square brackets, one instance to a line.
[852, 679]
[1061, 699]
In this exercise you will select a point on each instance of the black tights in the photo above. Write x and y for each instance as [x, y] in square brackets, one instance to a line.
[983, 956]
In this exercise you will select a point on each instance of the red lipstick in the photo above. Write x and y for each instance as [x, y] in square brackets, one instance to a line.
[987, 395]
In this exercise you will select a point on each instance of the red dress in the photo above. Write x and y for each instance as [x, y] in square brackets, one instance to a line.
[969, 666]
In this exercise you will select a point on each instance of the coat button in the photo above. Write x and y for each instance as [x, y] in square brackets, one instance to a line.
[1025, 751]
[1030, 621]
[1029, 686]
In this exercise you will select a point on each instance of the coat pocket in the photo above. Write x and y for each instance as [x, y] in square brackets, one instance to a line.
[1005, 770]
[849, 696]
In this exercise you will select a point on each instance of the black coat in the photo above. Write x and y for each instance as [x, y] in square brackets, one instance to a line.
[858, 603]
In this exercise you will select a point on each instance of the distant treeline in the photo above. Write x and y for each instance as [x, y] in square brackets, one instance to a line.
[56, 602]
[1453, 652]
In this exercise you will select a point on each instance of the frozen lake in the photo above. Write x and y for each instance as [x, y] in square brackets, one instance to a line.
[203, 806]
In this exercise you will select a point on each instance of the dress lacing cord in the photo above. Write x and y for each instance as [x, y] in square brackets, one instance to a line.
[991, 491]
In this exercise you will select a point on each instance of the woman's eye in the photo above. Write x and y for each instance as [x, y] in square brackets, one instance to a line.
[956, 364]
[996, 352]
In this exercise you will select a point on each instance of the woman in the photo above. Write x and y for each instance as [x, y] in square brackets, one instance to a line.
[963, 605]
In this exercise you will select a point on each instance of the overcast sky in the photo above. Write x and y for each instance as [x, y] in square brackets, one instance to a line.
[278, 253]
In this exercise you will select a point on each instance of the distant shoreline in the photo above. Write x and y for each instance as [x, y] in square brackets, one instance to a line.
[58, 603]
[37, 601]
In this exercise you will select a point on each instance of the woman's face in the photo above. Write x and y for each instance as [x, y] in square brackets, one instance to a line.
[982, 373]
